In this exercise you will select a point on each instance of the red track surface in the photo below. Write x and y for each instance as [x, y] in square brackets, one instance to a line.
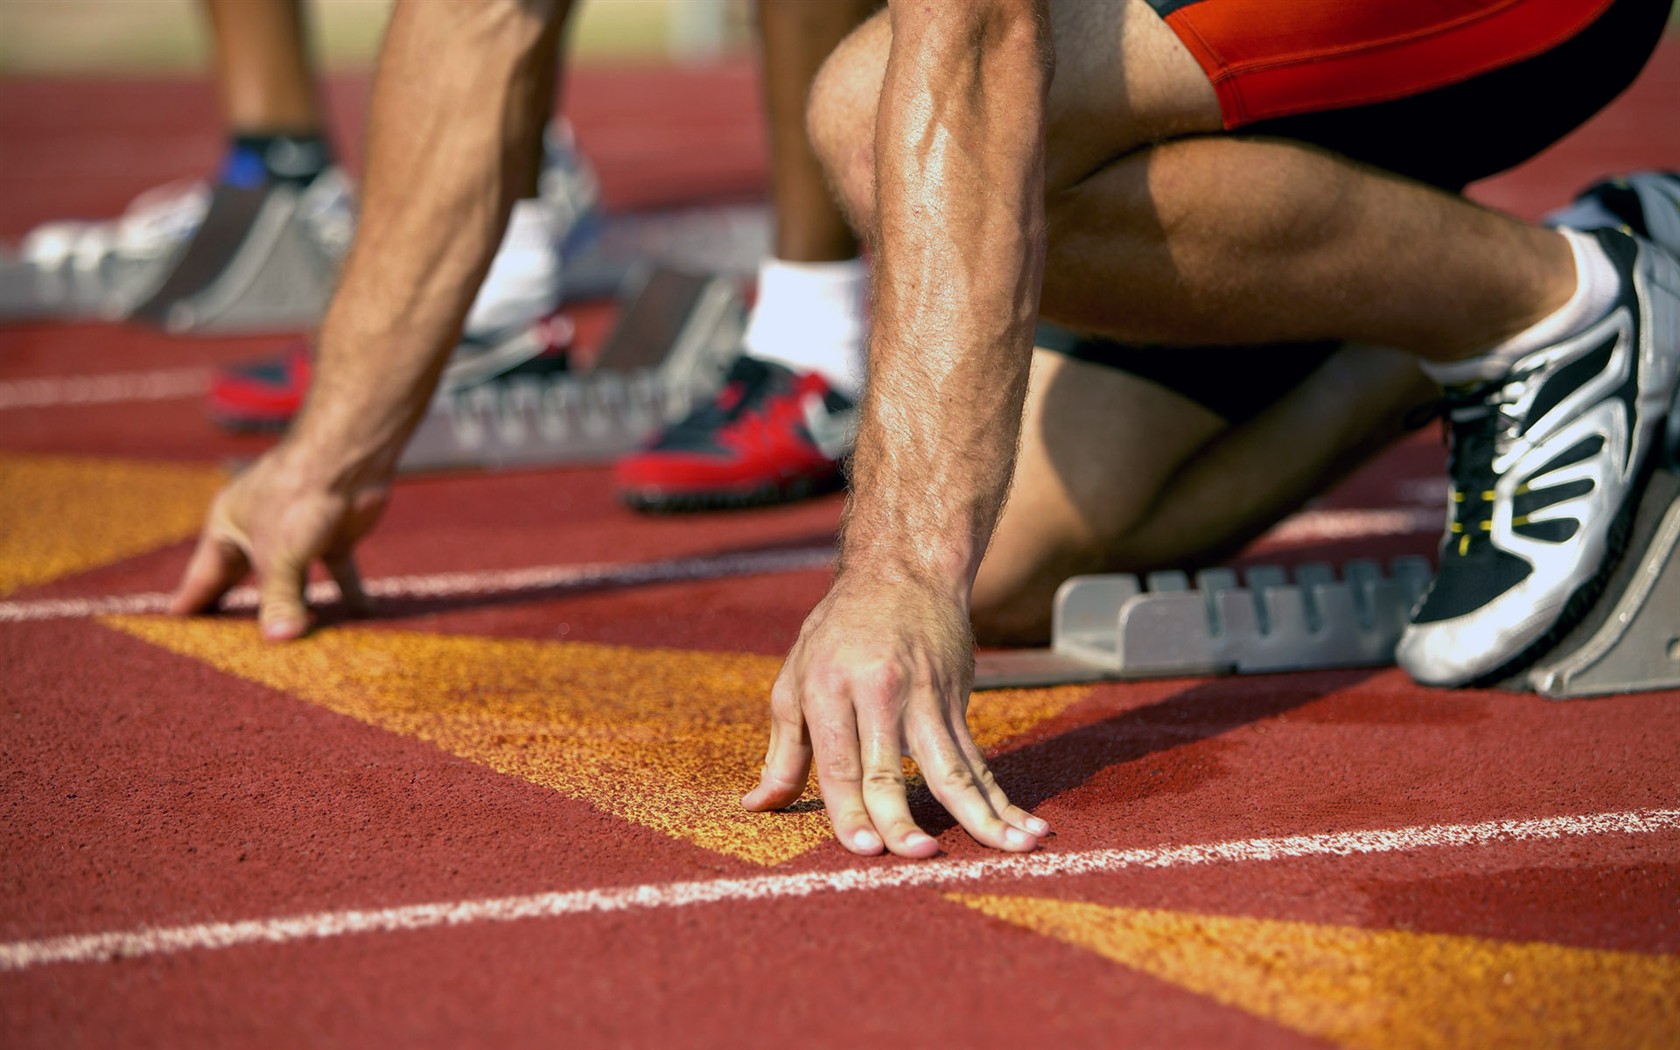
[161, 775]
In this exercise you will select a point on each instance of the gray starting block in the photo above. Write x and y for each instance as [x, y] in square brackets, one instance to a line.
[730, 240]
[105, 285]
[256, 264]
[33, 292]
[1116, 626]
[261, 259]
[672, 345]
[1631, 639]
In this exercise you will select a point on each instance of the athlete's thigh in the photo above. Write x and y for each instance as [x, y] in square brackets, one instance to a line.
[1123, 80]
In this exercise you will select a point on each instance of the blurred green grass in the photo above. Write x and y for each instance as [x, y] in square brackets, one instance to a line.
[116, 37]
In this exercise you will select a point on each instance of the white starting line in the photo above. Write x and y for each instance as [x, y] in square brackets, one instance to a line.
[152, 941]
[551, 578]
[104, 389]
[1305, 528]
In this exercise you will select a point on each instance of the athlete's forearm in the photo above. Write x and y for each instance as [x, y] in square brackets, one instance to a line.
[451, 130]
[959, 256]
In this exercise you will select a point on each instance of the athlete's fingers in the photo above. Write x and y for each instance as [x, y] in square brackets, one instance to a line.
[834, 742]
[787, 765]
[1009, 811]
[884, 793]
[216, 565]
[342, 566]
[957, 787]
[281, 612]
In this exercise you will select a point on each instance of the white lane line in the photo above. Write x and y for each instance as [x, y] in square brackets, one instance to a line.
[105, 389]
[150, 941]
[552, 578]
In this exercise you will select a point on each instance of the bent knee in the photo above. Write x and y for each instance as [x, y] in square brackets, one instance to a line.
[1006, 616]
[840, 116]
[1015, 591]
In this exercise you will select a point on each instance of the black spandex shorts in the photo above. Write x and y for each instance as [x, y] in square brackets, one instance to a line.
[1235, 382]
[1533, 76]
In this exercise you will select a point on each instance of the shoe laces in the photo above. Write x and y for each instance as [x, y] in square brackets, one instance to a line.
[748, 387]
[1481, 423]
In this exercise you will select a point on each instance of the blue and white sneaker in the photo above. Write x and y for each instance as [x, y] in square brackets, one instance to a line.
[1547, 464]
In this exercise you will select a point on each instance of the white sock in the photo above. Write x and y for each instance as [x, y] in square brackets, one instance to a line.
[810, 317]
[1596, 287]
[524, 279]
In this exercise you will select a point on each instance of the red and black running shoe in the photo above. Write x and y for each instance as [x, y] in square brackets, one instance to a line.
[770, 435]
[261, 395]
[265, 395]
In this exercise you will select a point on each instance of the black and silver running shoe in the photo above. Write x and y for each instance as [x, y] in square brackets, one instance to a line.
[1547, 464]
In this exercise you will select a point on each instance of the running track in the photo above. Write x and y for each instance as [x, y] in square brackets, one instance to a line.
[502, 813]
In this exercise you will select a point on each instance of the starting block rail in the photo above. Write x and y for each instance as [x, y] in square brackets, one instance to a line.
[1118, 626]
[673, 343]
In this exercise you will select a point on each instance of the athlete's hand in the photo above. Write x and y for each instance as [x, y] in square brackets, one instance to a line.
[276, 520]
[882, 670]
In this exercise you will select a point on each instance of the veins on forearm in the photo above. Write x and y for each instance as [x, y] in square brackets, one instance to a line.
[959, 250]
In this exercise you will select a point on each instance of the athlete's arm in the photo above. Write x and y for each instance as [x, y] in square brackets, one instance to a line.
[883, 664]
[451, 124]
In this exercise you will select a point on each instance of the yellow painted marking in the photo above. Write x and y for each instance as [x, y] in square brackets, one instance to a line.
[1379, 989]
[60, 515]
[665, 738]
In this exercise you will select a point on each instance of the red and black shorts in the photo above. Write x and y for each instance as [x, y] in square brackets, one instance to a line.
[1443, 91]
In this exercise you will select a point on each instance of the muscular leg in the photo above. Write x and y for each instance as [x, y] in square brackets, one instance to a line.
[1149, 243]
[1316, 247]
[262, 66]
[797, 36]
[544, 86]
